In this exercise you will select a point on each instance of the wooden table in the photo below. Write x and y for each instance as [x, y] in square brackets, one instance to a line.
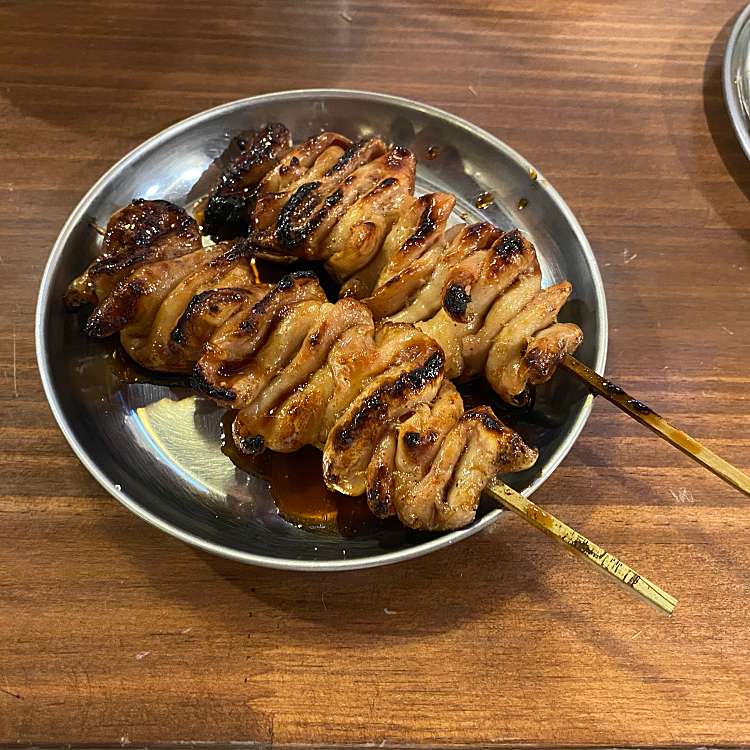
[112, 633]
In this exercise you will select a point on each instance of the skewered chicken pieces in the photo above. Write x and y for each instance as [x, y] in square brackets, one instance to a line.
[159, 288]
[365, 378]
[302, 370]
[351, 206]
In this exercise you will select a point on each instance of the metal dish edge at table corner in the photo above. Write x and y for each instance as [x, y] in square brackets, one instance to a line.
[736, 54]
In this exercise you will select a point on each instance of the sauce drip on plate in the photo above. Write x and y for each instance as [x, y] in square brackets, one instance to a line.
[297, 488]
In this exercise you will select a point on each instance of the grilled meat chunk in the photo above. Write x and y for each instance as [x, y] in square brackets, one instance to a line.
[227, 212]
[142, 232]
[166, 311]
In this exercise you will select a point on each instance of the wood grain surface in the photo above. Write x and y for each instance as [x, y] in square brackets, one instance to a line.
[112, 633]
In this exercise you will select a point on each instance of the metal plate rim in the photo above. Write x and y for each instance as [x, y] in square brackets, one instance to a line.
[739, 120]
[262, 560]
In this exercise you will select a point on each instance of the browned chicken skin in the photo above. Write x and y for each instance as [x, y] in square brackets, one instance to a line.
[366, 378]
[302, 370]
[160, 289]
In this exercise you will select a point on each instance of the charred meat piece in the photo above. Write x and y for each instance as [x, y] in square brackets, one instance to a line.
[478, 293]
[531, 345]
[227, 212]
[476, 449]
[142, 232]
[297, 220]
[163, 311]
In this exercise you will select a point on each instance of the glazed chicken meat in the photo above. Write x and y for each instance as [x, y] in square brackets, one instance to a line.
[159, 288]
[366, 378]
[474, 288]
[305, 371]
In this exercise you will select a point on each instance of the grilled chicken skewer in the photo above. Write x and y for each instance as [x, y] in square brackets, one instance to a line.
[474, 289]
[302, 370]
[403, 280]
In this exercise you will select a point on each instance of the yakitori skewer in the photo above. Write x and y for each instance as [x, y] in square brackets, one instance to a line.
[648, 417]
[582, 546]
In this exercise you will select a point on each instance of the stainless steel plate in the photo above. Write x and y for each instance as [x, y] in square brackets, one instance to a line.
[156, 449]
[736, 78]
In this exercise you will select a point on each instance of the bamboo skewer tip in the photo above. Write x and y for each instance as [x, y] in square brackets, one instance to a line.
[583, 547]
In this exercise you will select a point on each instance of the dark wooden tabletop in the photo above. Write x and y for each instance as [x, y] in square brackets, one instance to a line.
[113, 633]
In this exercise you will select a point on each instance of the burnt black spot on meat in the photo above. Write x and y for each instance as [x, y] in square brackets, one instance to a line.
[375, 406]
[542, 361]
[258, 149]
[383, 185]
[485, 417]
[426, 222]
[262, 306]
[229, 204]
[314, 338]
[178, 334]
[288, 281]
[322, 214]
[427, 225]
[396, 155]
[511, 244]
[157, 218]
[198, 303]
[241, 249]
[226, 216]
[117, 311]
[346, 157]
[422, 376]
[252, 445]
[300, 204]
[456, 301]
[262, 146]
[379, 493]
[412, 439]
[199, 382]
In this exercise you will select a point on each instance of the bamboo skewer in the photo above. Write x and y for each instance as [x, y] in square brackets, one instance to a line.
[648, 417]
[580, 545]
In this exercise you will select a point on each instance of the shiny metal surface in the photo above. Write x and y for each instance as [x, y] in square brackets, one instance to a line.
[156, 449]
[736, 78]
